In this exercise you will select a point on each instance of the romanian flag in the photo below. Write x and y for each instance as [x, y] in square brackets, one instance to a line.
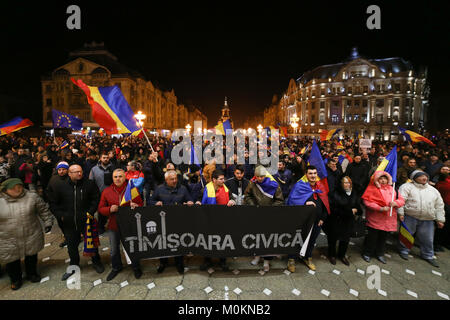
[14, 125]
[64, 145]
[131, 193]
[223, 127]
[91, 240]
[328, 134]
[389, 164]
[302, 190]
[209, 194]
[283, 131]
[110, 109]
[339, 146]
[269, 185]
[405, 236]
[414, 137]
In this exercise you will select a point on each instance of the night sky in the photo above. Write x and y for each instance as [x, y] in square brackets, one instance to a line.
[209, 50]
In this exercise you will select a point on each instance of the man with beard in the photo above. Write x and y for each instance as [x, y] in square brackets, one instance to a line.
[405, 171]
[238, 184]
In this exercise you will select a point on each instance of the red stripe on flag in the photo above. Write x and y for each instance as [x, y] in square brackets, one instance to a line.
[22, 124]
[426, 141]
[405, 241]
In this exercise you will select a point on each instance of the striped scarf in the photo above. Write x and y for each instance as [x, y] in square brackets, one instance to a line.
[91, 240]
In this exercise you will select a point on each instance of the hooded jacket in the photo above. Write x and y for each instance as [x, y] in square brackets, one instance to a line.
[377, 196]
[422, 202]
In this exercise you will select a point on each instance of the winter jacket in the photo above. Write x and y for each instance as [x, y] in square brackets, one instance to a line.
[333, 178]
[72, 200]
[138, 179]
[254, 197]
[233, 185]
[167, 195]
[102, 176]
[21, 232]
[377, 196]
[444, 188]
[359, 173]
[340, 222]
[113, 195]
[284, 179]
[422, 202]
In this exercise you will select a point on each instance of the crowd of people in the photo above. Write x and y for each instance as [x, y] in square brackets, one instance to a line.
[40, 183]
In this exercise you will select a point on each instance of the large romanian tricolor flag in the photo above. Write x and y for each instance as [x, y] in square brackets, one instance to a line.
[389, 164]
[328, 134]
[110, 109]
[15, 124]
[405, 236]
[131, 193]
[414, 137]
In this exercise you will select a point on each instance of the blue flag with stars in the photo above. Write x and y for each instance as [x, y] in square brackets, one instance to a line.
[64, 120]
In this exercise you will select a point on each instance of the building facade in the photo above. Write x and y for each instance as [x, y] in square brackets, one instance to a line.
[368, 96]
[98, 67]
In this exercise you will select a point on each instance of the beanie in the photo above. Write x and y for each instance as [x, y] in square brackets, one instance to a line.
[62, 164]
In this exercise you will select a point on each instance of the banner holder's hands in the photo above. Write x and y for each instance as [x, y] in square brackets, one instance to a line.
[320, 223]
[159, 203]
[231, 203]
[199, 203]
[189, 203]
[354, 211]
[133, 205]
[114, 208]
[440, 225]
[310, 203]
[402, 218]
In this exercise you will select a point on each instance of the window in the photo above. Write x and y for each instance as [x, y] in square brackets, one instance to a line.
[358, 90]
[313, 93]
[48, 88]
[335, 119]
[357, 103]
[349, 117]
[313, 105]
[322, 118]
[364, 117]
[378, 88]
[396, 102]
[364, 103]
[322, 104]
[356, 118]
[322, 91]
[349, 90]
[313, 118]
[397, 87]
[380, 103]
[334, 90]
[379, 118]
[365, 89]
[80, 67]
[408, 87]
[49, 115]
[48, 102]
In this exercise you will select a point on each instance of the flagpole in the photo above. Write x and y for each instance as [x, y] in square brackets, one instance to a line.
[143, 130]
[393, 192]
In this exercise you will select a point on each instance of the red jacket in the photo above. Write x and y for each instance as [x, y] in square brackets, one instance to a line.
[110, 196]
[444, 188]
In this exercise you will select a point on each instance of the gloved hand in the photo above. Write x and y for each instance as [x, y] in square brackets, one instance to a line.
[47, 229]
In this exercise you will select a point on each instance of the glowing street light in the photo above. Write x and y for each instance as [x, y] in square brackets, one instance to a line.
[188, 128]
[260, 127]
[140, 116]
[294, 119]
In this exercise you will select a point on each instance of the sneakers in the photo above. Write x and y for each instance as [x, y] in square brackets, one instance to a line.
[112, 274]
[382, 259]
[309, 263]
[137, 273]
[366, 258]
[255, 261]
[266, 266]
[98, 267]
[291, 265]
[432, 262]
[34, 278]
[403, 256]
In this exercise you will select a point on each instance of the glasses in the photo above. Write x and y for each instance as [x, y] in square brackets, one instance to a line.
[79, 172]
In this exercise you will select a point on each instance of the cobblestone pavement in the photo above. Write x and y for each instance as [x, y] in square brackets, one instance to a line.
[400, 280]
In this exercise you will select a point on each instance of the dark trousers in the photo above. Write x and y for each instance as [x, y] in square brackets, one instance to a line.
[73, 238]
[442, 236]
[312, 240]
[116, 259]
[375, 242]
[101, 222]
[342, 248]
[14, 269]
[178, 261]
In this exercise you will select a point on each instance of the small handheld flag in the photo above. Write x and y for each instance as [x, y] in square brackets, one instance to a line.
[389, 164]
[405, 236]
[130, 194]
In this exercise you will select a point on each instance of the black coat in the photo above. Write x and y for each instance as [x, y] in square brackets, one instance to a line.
[359, 173]
[340, 222]
[167, 195]
[71, 201]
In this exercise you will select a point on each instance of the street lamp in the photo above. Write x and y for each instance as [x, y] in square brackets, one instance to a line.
[294, 119]
[188, 128]
[259, 127]
[140, 116]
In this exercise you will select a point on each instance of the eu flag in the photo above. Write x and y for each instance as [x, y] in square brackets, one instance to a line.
[64, 120]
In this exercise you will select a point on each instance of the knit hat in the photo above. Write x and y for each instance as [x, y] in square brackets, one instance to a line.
[418, 173]
[10, 183]
[62, 164]
[260, 171]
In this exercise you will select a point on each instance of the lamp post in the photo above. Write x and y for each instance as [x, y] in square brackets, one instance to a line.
[140, 116]
[259, 127]
[188, 128]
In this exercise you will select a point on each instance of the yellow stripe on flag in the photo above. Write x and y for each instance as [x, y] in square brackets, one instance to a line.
[406, 234]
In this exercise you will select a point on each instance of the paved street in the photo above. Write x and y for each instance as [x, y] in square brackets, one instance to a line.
[400, 280]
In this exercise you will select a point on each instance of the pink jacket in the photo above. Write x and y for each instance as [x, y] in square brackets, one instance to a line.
[377, 196]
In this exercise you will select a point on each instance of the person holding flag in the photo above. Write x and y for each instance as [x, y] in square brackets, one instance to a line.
[263, 190]
[111, 199]
[424, 207]
[381, 213]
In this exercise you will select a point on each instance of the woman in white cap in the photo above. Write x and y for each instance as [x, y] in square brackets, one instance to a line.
[423, 209]
[21, 233]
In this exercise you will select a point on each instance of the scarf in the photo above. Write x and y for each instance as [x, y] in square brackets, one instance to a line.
[91, 240]
[209, 194]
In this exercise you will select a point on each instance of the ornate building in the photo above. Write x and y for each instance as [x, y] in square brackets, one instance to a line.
[98, 67]
[371, 96]
[226, 114]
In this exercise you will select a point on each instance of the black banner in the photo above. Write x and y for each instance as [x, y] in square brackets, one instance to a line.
[213, 230]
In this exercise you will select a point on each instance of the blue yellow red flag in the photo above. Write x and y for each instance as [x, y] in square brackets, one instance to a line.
[14, 125]
[414, 137]
[389, 164]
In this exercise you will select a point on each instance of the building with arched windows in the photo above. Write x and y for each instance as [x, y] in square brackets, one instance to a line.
[368, 96]
[98, 67]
